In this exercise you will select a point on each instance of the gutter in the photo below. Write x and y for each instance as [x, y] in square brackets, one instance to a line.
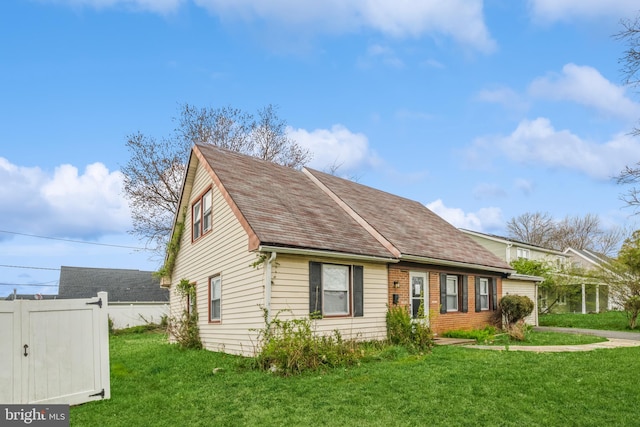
[328, 254]
[267, 285]
[427, 260]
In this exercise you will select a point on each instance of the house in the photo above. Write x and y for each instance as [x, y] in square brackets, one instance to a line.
[254, 235]
[594, 296]
[135, 297]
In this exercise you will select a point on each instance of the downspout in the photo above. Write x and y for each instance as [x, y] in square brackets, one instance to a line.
[267, 285]
[508, 253]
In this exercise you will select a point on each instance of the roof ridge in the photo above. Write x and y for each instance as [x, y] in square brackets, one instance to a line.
[353, 214]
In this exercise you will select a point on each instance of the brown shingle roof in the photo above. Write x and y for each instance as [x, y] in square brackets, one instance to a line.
[408, 225]
[284, 207]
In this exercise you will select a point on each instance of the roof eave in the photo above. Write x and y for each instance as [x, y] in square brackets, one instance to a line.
[326, 254]
[428, 260]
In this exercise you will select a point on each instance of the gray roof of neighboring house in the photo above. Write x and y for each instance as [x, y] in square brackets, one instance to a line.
[285, 207]
[591, 256]
[121, 285]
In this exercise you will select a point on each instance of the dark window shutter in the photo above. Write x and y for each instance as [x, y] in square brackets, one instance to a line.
[494, 293]
[358, 291]
[315, 287]
[465, 294]
[477, 294]
[443, 293]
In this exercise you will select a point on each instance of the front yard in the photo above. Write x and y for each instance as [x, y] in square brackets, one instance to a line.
[608, 320]
[157, 384]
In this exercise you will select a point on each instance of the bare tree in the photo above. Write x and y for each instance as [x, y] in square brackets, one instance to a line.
[630, 62]
[577, 232]
[155, 169]
[534, 228]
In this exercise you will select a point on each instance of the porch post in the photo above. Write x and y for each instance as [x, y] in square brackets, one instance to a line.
[597, 298]
[584, 301]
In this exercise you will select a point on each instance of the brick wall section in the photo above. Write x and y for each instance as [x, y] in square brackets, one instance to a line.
[441, 322]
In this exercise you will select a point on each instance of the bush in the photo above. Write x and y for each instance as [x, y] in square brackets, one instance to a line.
[415, 335]
[632, 308]
[515, 308]
[288, 347]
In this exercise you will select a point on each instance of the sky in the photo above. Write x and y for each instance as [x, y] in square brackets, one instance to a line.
[481, 110]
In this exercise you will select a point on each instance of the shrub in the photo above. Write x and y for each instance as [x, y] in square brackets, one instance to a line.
[415, 335]
[185, 330]
[515, 308]
[632, 308]
[288, 347]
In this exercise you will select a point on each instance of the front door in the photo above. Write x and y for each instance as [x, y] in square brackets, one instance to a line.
[419, 295]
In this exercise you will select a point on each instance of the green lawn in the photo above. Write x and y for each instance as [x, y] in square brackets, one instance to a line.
[157, 384]
[549, 338]
[609, 320]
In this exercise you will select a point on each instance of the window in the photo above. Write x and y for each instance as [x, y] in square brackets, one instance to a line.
[335, 290]
[215, 292]
[201, 215]
[484, 293]
[454, 293]
[522, 253]
[191, 303]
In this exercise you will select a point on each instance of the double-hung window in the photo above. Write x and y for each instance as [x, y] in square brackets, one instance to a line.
[201, 215]
[484, 293]
[522, 253]
[486, 290]
[454, 293]
[335, 290]
[215, 298]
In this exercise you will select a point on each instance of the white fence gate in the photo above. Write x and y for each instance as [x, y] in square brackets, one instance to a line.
[54, 351]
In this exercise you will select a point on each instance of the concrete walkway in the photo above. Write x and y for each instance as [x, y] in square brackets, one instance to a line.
[616, 339]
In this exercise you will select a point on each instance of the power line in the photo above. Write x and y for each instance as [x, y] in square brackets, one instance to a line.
[44, 284]
[29, 268]
[75, 241]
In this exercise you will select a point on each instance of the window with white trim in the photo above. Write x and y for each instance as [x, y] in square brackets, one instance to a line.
[522, 253]
[215, 298]
[452, 293]
[201, 215]
[336, 290]
[484, 293]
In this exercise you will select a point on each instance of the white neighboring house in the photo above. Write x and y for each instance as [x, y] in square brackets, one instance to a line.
[588, 261]
[135, 297]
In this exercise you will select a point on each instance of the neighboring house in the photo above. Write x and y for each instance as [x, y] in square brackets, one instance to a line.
[135, 297]
[594, 296]
[259, 235]
[14, 296]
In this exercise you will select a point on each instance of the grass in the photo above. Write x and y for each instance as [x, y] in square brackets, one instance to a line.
[157, 384]
[549, 338]
[609, 320]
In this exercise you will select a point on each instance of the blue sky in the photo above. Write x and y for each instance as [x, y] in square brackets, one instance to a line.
[481, 110]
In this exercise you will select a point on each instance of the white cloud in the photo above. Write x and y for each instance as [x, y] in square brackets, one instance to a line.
[565, 10]
[585, 85]
[536, 142]
[482, 220]
[525, 186]
[485, 190]
[157, 6]
[64, 203]
[461, 20]
[335, 147]
[385, 54]
[504, 96]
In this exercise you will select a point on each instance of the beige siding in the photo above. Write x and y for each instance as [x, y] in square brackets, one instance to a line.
[524, 288]
[496, 248]
[222, 251]
[290, 297]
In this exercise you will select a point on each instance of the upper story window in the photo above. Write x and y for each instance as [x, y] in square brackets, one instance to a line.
[523, 253]
[201, 215]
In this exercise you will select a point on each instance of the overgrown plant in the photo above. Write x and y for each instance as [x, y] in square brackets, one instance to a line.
[514, 308]
[185, 330]
[173, 247]
[415, 335]
[289, 347]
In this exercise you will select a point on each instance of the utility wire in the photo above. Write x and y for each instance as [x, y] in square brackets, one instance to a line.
[75, 241]
[29, 268]
[44, 284]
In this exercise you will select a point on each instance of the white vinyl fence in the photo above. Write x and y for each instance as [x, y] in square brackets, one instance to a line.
[54, 351]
